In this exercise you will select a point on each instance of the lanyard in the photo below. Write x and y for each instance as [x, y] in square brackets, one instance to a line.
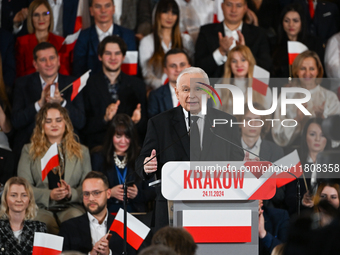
[121, 178]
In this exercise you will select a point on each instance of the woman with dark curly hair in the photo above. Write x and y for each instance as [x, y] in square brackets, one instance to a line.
[60, 192]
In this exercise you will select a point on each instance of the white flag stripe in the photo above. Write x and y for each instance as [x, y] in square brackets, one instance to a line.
[133, 223]
[83, 80]
[290, 160]
[131, 57]
[71, 38]
[261, 74]
[296, 47]
[48, 241]
[52, 151]
[216, 218]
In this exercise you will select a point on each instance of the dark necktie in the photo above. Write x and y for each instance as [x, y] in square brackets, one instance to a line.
[195, 144]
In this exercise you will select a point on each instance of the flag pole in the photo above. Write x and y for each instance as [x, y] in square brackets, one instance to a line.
[290, 74]
[125, 218]
[72, 83]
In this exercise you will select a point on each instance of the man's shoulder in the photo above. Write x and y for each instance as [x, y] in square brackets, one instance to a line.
[85, 34]
[159, 91]
[76, 221]
[123, 30]
[211, 28]
[248, 29]
[131, 79]
[27, 79]
[167, 115]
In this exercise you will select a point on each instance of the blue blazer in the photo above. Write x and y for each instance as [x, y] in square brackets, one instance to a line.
[159, 100]
[85, 51]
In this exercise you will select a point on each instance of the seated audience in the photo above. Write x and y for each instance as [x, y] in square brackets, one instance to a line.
[111, 91]
[88, 233]
[307, 68]
[33, 91]
[215, 40]
[117, 162]
[59, 195]
[166, 35]
[177, 239]
[238, 71]
[18, 209]
[164, 98]
[85, 50]
[312, 143]
[40, 25]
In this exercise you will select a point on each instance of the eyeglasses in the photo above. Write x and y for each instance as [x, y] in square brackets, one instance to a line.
[38, 15]
[95, 193]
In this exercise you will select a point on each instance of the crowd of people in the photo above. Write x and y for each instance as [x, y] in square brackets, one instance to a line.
[116, 129]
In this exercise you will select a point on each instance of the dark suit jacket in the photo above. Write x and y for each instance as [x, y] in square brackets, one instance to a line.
[85, 51]
[7, 56]
[207, 43]
[10, 245]
[167, 134]
[27, 91]
[8, 10]
[77, 236]
[131, 91]
[160, 100]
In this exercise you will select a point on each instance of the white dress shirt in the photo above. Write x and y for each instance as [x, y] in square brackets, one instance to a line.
[57, 9]
[101, 34]
[255, 149]
[97, 230]
[173, 96]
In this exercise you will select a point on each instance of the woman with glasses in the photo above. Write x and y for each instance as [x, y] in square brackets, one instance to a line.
[40, 26]
[59, 194]
[117, 162]
[18, 209]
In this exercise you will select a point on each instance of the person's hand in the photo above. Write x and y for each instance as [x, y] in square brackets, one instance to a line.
[58, 194]
[20, 16]
[319, 109]
[132, 191]
[225, 43]
[137, 114]
[251, 18]
[241, 40]
[57, 98]
[151, 166]
[307, 200]
[247, 157]
[44, 94]
[111, 111]
[118, 192]
[101, 247]
[63, 184]
[262, 230]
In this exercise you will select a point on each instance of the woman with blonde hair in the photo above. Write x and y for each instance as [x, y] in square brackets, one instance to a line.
[308, 72]
[40, 26]
[238, 70]
[166, 35]
[18, 209]
[60, 192]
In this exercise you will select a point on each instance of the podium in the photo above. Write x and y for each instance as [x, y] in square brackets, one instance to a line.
[214, 201]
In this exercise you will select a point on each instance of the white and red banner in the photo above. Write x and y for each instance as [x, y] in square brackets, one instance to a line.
[129, 65]
[294, 49]
[218, 180]
[260, 80]
[50, 160]
[79, 84]
[218, 226]
[47, 244]
[136, 230]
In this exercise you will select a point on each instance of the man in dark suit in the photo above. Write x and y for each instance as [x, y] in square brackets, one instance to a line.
[164, 98]
[31, 92]
[85, 50]
[88, 233]
[111, 91]
[167, 134]
[215, 40]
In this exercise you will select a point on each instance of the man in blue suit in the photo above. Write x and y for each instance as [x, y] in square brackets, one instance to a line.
[164, 98]
[85, 50]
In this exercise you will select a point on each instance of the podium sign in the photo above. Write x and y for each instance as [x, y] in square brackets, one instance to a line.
[218, 180]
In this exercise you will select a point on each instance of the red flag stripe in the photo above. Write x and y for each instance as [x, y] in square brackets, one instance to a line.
[79, 23]
[76, 85]
[37, 250]
[130, 69]
[52, 163]
[222, 234]
[291, 57]
[260, 86]
[132, 238]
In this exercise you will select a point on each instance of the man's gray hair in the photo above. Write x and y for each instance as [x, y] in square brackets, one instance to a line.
[193, 70]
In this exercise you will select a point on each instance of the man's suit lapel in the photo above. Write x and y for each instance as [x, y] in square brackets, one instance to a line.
[85, 232]
[94, 41]
[207, 136]
[167, 97]
[35, 88]
[178, 124]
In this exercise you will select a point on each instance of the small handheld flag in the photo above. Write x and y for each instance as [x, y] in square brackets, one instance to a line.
[47, 244]
[50, 160]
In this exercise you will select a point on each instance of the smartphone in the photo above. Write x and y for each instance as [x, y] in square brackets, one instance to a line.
[52, 90]
[130, 183]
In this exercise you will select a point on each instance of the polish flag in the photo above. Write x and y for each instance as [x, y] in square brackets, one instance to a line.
[47, 244]
[50, 160]
[294, 49]
[218, 14]
[136, 230]
[79, 84]
[69, 43]
[290, 169]
[165, 79]
[83, 16]
[129, 65]
[218, 226]
[260, 80]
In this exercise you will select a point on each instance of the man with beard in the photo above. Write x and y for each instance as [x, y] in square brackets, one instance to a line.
[88, 233]
[111, 91]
